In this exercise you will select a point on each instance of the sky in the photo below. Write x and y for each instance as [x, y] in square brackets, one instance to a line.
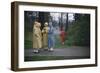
[57, 15]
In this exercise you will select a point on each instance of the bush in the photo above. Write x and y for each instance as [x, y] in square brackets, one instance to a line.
[79, 33]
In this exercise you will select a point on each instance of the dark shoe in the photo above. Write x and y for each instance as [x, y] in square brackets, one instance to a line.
[45, 49]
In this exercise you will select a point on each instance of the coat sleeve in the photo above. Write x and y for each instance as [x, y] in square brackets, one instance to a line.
[36, 33]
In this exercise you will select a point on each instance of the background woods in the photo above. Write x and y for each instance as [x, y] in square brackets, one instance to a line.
[76, 27]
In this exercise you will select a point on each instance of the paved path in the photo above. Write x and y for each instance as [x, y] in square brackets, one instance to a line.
[68, 52]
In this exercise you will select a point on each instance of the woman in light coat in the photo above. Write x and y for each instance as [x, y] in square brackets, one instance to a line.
[45, 36]
[37, 37]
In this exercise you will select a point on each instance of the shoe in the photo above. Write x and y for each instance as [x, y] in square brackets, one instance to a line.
[51, 49]
[63, 43]
[45, 49]
[36, 51]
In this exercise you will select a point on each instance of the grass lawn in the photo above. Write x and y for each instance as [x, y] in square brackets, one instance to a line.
[42, 58]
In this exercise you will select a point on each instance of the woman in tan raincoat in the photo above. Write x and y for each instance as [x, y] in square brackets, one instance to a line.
[45, 36]
[37, 37]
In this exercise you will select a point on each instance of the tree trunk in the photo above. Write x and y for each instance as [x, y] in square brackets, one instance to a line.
[66, 22]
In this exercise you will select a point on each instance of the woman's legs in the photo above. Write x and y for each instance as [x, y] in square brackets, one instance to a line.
[50, 43]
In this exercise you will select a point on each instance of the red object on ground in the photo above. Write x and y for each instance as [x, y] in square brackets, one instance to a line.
[62, 35]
